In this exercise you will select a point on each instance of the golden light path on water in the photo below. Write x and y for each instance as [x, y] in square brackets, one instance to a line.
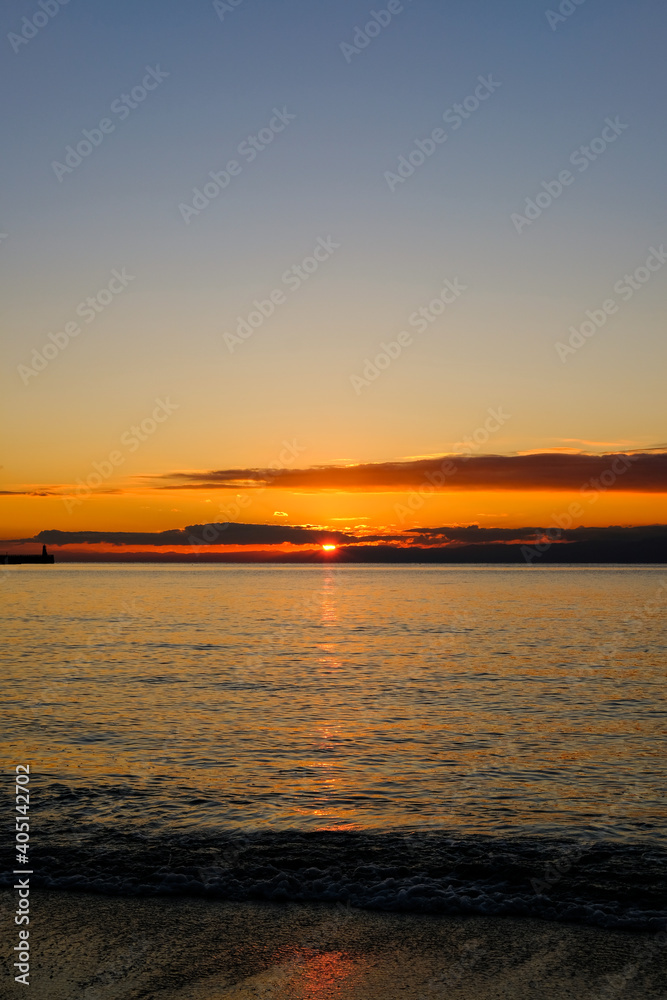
[480, 700]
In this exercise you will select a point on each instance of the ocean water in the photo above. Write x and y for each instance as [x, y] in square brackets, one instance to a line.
[446, 739]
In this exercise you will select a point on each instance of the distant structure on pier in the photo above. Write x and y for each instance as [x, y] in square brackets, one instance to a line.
[44, 559]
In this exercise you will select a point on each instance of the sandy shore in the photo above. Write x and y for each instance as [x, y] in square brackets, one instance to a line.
[95, 947]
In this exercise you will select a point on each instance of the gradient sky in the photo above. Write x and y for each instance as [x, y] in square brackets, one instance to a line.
[323, 176]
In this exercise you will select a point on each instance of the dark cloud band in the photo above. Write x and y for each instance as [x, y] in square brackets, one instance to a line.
[197, 536]
[644, 472]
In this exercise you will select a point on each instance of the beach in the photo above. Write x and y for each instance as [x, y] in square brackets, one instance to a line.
[345, 783]
[92, 947]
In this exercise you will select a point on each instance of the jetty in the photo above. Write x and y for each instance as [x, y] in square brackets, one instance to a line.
[44, 559]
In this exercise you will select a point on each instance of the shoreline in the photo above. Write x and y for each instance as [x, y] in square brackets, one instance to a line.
[117, 948]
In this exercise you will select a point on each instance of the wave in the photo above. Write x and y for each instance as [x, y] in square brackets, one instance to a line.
[619, 885]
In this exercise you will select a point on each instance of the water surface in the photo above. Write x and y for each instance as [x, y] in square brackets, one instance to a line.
[430, 702]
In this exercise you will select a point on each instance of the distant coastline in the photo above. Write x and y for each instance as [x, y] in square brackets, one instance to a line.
[642, 545]
[576, 553]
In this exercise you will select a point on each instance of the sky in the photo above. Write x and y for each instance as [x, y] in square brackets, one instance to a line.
[436, 230]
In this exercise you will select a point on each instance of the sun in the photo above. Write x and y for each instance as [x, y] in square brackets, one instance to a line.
[329, 548]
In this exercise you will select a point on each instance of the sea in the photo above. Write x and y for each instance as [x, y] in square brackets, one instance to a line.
[435, 739]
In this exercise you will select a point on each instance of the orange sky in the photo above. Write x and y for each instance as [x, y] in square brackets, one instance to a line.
[589, 494]
[315, 317]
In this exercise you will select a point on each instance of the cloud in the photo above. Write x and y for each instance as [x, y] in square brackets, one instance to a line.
[29, 493]
[219, 533]
[473, 534]
[644, 472]
[267, 535]
[607, 445]
[55, 491]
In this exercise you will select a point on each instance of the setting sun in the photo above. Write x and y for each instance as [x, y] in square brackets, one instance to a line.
[329, 548]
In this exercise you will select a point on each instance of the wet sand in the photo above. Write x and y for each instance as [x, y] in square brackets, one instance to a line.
[88, 947]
